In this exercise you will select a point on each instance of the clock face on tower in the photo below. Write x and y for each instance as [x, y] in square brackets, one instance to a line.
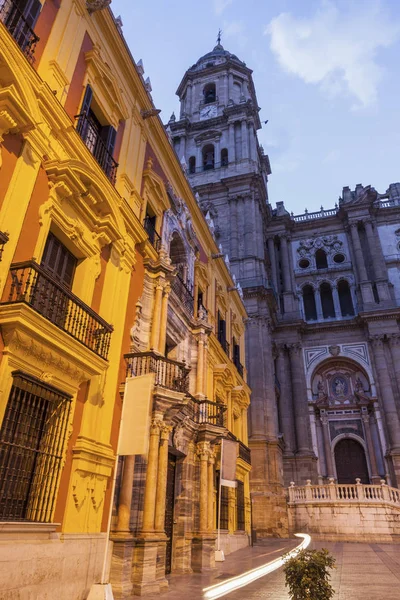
[207, 112]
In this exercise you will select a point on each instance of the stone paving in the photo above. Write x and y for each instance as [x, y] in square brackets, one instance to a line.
[364, 572]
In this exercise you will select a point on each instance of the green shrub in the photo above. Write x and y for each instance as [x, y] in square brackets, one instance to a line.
[307, 575]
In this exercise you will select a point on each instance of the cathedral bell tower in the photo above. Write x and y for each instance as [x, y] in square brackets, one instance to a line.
[216, 141]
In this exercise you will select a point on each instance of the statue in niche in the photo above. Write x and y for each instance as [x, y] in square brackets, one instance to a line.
[320, 388]
[359, 385]
[339, 388]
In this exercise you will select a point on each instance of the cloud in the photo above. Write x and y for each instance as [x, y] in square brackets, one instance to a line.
[221, 5]
[234, 29]
[336, 50]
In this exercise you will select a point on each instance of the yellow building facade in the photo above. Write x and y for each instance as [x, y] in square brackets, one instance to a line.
[108, 270]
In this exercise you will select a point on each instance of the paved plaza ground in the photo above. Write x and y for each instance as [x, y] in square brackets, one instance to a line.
[364, 572]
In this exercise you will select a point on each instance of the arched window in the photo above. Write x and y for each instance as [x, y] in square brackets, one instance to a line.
[208, 157]
[177, 255]
[224, 157]
[345, 299]
[320, 259]
[328, 308]
[192, 164]
[209, 93]
[310, 310]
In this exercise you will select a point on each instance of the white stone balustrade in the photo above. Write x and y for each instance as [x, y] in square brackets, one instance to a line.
[332, 492]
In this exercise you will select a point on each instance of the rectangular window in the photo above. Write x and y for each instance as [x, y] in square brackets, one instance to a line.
[240, 506]
[224, 520]
[100, 139]
[20, 16]
[32, 439]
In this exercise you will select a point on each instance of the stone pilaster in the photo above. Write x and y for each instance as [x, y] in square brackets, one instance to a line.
[375, 478]
[155, 328]
[151, 477]
[272, 258]
[164, 317]
[327, 445]
[285, 400]
[203, 545]
[387, 399]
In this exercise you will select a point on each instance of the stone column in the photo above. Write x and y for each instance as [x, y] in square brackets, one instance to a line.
[318, 304]
[327, 445]
[234, 232]
[194, 98]
[230, 86]
[371, 449]
[200, 365]
[159, 521]
[231, 149]
[285, 400]
[375, 251]
[155, 327]
[358, 253]
[188, 103]
[205, 365]
[285, 263]
[203, 451]
[272, 257]
[164, 319]
[336, 301]
[125, 495]
[385, 386]
[394, 345]
[302, 421]
[150, 491]
[245, 145]
[199, 158]
[210, 508]
[217, 152]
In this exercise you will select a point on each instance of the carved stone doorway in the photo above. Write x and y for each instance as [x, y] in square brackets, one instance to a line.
[350, 462]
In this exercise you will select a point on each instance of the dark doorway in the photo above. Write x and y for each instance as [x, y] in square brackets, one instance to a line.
[350, 462]
[169, 511]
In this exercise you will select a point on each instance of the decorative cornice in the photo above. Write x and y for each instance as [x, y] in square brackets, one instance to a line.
[96, 5]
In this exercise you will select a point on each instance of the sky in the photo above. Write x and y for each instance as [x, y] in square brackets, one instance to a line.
[326, 73]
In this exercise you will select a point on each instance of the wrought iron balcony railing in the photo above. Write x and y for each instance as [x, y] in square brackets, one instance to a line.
[244, 453]
[154, 237]
[225, 345]
[239, 367]
[169, 374]
[210, 413]
[183, 293]
[14, 20]
[3, 241]
[32, 285]
[88, 131]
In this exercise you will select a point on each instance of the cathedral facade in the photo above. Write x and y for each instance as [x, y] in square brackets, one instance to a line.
[322, 291]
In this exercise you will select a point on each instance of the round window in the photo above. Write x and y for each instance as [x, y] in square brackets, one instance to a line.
[339, 258]
[304, 263]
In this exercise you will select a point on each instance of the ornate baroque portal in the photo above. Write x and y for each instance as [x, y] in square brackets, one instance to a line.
[345, 417]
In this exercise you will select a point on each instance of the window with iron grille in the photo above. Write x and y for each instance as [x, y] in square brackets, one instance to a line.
[240, 506]
[224, 522]
[32, 439]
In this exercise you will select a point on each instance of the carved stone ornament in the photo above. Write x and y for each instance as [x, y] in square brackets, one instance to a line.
[95, 5]
[330, 243]
[334, 350]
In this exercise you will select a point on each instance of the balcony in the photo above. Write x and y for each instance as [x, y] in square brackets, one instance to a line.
[183, 293]
[3, 242]
[239, 367]
[14, 20]
[154, 237]
[32, 285]
[169, 374]
[88, 131]
[209, 413]
[208, 167]
[225, 345]
[244, 453]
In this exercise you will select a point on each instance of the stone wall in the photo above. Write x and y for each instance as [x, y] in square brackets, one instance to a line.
[48, 566]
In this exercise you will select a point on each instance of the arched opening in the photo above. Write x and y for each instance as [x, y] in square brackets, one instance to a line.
[321, 261]
[192, 164]
[328, 308]
[345, 299]
[310, 309]
[177, 255]
[209, 93]
[224, 157]
[208, 157]
[350, 461]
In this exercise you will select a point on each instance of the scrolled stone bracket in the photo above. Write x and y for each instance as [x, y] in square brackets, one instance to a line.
[96, 5]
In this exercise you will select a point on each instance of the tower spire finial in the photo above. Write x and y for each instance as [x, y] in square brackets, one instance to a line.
[219, 36]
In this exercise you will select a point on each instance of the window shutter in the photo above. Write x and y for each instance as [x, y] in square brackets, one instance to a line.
[58, 261]
[87, 100]
[109, 136]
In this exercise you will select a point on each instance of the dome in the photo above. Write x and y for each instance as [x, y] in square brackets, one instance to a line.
[216, 56]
